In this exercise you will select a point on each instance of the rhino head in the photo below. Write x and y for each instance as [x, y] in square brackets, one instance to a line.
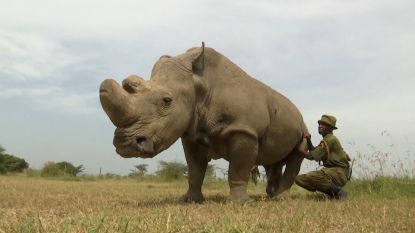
[151, 115]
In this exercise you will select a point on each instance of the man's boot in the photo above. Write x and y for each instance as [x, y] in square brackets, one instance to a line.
[329, 193]
[336, 192]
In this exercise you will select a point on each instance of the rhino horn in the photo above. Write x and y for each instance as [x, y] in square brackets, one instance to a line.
[116, 103]
[134, 84]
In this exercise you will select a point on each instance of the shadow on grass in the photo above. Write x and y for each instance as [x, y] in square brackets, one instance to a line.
[222, 199]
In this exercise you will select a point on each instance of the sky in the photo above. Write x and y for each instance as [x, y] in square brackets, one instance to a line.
[351, 59]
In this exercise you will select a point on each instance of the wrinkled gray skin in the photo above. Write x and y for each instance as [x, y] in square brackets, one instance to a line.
[217, 110]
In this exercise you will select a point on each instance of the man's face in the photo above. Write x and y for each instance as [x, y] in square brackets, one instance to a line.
[323, 129]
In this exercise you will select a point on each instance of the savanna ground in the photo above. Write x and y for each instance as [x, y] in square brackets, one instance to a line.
[33, 204]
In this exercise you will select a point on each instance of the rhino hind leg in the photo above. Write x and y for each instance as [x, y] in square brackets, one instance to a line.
[274, 174]
[243, 151]
[292, 168]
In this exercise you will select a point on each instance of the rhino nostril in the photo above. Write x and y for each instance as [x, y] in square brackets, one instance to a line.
[145, 144]
[140, 139]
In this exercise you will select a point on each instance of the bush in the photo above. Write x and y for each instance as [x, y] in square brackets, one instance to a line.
[70, 169]
[2, 169]
[11, 163]
[50, 169]
[172, 170]
[60, 169]
[177, 170]
[32, 172]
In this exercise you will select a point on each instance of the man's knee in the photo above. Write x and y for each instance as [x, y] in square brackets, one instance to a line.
[305, 182]
[300, 180]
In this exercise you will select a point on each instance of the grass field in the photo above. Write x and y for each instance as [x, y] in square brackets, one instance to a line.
[127, 205]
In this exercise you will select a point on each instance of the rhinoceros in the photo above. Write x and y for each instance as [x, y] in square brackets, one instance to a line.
[218, 111]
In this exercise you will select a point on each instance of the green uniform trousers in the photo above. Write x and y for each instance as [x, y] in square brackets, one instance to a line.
[321, 180]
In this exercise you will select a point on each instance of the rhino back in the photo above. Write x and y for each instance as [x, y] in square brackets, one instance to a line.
[238, 102]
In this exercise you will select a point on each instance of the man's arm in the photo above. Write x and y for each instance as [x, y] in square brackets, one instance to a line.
[314, 153]
[306, 154]
[302, 150]
[307, 136]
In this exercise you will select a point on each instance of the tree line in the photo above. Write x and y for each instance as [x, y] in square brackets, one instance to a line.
[167, 171]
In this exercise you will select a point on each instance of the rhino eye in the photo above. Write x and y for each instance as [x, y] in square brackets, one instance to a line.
[167, 100]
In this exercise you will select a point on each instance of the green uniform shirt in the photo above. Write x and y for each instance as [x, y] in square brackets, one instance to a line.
[330, 152]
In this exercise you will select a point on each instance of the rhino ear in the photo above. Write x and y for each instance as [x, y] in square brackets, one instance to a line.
[200, 87]
[198, 64]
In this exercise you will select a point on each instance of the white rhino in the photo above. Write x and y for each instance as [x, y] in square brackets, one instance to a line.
[217, 110]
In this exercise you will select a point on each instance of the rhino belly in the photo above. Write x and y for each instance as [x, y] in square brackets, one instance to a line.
[273, 151]
[218, 149]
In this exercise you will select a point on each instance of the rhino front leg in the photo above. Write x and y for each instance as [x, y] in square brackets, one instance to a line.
[242, 155]
[197, 163]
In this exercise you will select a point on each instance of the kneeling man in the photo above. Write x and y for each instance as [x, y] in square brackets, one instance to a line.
[333, 176]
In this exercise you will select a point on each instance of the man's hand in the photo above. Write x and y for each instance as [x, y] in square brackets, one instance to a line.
[305, 154]
[306, 135]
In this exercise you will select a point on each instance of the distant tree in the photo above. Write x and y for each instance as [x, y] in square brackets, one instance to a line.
[50, 169]
[69, 168]
[61, 169]
[11, 163]
[210, 171]
[171, 170]
[112, 176]
[223, 171]
[141, 169]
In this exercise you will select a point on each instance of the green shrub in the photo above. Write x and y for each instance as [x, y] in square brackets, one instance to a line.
[32, 172]
[52, 169]
[2, 169]
[171, 170]
[11, 163]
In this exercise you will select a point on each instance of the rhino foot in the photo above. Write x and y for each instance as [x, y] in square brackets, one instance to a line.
[240, 199]
[270, 191]
[282, 196]
[239, 195]
[192, 198]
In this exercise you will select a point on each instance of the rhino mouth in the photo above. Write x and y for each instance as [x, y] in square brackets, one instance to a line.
[134, 146]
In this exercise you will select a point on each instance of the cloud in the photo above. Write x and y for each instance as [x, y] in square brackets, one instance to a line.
[36, 67]
[29, 57]
[55, 99]
[350, 50]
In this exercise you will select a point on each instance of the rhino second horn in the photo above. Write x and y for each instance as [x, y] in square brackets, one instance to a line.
[134, 83]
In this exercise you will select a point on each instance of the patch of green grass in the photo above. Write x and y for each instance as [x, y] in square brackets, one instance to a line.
[383, 187]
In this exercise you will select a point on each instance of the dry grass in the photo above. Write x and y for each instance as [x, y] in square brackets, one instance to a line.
[42, 205]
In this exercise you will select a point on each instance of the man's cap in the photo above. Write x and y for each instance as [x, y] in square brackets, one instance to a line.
[329, 120]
